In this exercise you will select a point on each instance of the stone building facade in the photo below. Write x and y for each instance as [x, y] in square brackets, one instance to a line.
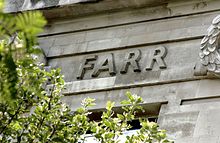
[165, 51]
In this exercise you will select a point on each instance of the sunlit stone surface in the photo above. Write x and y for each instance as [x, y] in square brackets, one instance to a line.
[107, 47]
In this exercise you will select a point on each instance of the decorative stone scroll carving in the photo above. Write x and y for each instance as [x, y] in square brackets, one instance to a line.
[210, 47]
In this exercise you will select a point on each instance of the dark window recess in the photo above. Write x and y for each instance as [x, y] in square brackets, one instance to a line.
[151, 113]
[151, 110]
[136, 123]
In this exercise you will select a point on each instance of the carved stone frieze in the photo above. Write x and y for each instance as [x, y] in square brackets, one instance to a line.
[114, 63]
[210, 47]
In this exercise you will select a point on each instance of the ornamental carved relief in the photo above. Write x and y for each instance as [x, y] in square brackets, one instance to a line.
[210, 48]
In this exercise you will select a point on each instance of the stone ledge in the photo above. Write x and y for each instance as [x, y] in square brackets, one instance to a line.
[77, 88]
[171, 92]
[64, 8]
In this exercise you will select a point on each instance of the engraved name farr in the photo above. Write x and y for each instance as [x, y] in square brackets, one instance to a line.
[131, 60]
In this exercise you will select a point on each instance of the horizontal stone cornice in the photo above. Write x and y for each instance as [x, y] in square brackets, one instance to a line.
[74, 8]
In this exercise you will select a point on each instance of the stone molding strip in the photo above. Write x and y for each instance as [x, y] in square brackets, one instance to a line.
[145, 14]
[75, 8]
[125, 36]
[88, 86]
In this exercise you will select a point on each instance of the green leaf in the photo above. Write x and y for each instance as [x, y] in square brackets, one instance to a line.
[16, 126]
[31, 23]
[110, 105]
[130, 96]
[107, 123]
[80, 110]
[1, 5]
[125, 102]
[109, 135]
[121, 117]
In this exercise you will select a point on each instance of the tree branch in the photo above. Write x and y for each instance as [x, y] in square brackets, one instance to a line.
[9, 122]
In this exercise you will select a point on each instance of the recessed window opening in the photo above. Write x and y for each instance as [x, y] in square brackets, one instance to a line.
[151, 113]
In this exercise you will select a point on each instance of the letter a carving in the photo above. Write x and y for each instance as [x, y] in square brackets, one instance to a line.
[106, 64]
[132, 58]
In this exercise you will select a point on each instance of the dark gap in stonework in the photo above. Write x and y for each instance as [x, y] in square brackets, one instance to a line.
[151, 114]
[150, 111]
[135, 124]
[200, 100]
